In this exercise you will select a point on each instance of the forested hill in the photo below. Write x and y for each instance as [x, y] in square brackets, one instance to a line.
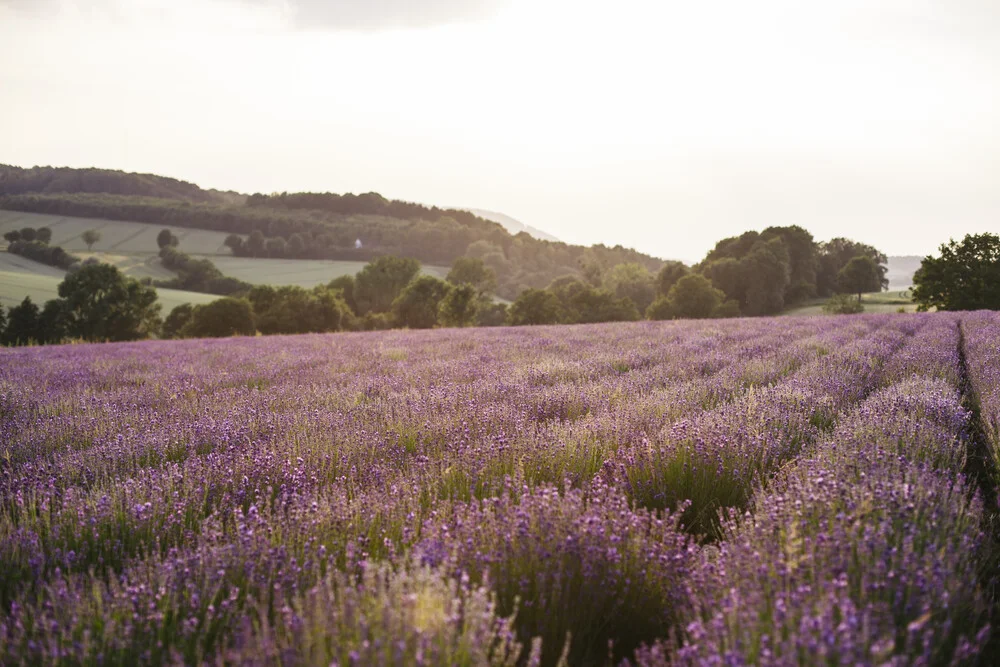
[61, 180]
[309, 225]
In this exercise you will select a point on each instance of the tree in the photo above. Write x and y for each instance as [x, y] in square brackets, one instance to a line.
[767, 275]
[275, 247]
[166, 239]
[54, 321]
[965, 277]
[859, 276]
[345, 285]
[660, 309]
[489, 314]
[459, 306]
[43, 234]
[103, 304]
[22, 324]
[632, 281]
[727, 308]
[221, 318]
[599, 305]
[566, 287]
[728, 274]
[842, 304]
[593, 273]
[235, 243]
[296, 245]
[753, 270]
[473, 271]
[803, 261]
[377, 285]
[417, 305]
[535, 306]
[28, 234]
[694, 297]
[291, 309]
[834, 256]
[3, 323]
[12, 236]
[90, 237]
[176, 321]
[668, 276]
[256, 243]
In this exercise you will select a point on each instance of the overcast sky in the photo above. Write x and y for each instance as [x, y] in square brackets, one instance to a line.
[662, 124]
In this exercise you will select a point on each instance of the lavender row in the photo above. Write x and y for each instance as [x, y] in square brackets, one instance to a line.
[982, 347]
[295, 451]
[164, 471]
[715, 459]
[868, 550]
[296, 470]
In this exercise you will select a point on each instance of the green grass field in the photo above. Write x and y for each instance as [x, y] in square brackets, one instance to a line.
[20, 277]
[875, 302]
[131, 246]
[116, 237]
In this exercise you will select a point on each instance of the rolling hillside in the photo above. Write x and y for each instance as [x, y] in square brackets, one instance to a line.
[131, 246]
[20, 277]
[305, 225]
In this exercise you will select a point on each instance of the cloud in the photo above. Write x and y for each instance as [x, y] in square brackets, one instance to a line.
[381, 14]
[356, 15]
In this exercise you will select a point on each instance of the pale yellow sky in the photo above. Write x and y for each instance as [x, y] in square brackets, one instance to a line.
[659, 125]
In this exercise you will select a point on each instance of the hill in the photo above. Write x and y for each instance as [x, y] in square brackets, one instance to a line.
[307, 225]
[131, 246]
[54, 180]
[511, 225]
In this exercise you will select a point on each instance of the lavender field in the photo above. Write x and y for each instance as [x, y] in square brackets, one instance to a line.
[758, 491]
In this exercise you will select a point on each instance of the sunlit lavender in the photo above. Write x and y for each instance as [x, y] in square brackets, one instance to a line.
[758, 491]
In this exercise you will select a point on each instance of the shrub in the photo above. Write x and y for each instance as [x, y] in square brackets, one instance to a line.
[843, 304]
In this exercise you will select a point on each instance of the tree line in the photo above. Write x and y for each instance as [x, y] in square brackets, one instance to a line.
[756, 273]
[34, 244]
[18, 180]
[99, 303]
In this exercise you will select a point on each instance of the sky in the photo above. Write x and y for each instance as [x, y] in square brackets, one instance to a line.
[663, 125]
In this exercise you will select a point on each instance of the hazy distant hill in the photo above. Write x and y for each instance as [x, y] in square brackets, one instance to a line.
[510, 224]
[901, 270]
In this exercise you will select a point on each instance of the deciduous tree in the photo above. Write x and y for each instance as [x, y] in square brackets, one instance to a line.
[22, 324]
[220, 318]
[860, 275]
[175, 322]
[535, 306]
[694, 297]
[378, 284]
[90, 237]
[459, 307]
[965, 277]
[473, 270]
[417, 305]
[166, 239]
[104, 304]
[632, 281]
[668, 276]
